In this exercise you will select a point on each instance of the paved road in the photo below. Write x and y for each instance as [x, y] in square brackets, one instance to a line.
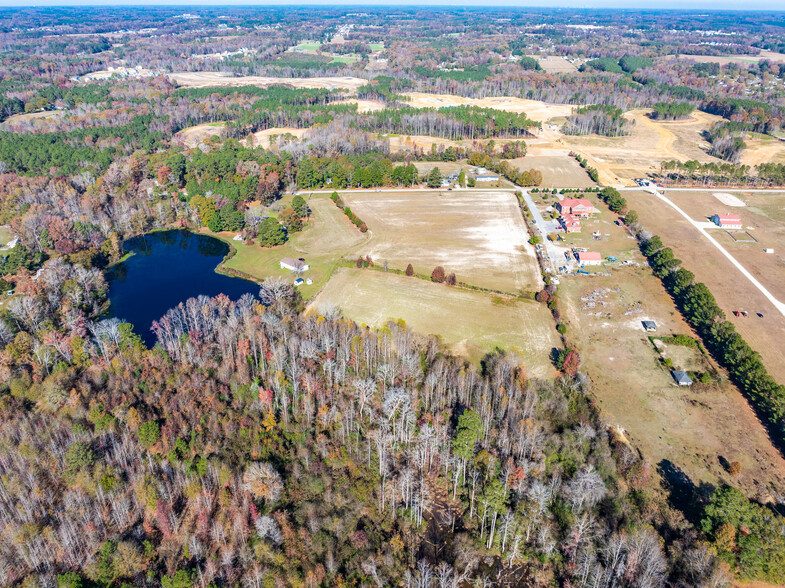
[555, 255]
[777, 304]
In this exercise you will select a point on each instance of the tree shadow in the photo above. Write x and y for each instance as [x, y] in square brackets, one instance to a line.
[683, 494]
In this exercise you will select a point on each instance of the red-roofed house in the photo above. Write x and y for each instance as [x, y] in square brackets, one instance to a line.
[727, 221]
[570, 223]
[579, 207]
[589, 258]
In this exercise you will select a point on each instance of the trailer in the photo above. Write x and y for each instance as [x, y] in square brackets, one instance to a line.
[583, 272]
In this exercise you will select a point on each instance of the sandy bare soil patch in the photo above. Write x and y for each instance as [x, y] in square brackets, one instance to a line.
[728, 199]
[478, 235]
[768, 150]
[470, 323]
[194, 136]
[649, 143]
[23, 120]
[689, 427]
[363, 106]
[731, 289]
[219, 79]
[534, 109]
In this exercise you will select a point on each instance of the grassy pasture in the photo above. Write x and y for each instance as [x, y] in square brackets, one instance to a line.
[689, 428]
[731, 289]
[478, 235]
[470, 323]
[327, 238]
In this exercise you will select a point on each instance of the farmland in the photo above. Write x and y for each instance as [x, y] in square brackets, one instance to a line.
[478, 235]
[470, 323]
[732, 290]
[676, 428]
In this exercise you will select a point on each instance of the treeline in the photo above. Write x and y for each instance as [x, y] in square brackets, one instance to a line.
[355, 220]
[592, 171]
[627, 64]
[702, 312]
[531, 177]
[722, 174]
[671, 110]
[600, 119]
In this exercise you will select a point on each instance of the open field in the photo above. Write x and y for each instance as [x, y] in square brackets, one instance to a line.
[649, 143]
[689, 427]
[326, 239]
[267, 137]
[194, 136]
[561, 171]
[765, 149]
[218, 79]
[534, 109]
[732, 289]
[478, 235]
[470, 323]
[726, 59]
[555, 64]
[24, 117]
[6, 234]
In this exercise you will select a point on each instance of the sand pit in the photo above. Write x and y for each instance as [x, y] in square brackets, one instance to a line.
[729, 199]
[210, 79]
[534, 109]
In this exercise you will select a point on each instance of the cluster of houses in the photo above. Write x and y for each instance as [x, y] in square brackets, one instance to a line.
[571, 211]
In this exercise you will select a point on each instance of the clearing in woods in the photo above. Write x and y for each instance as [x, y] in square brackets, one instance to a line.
[732, 290]
[210, 79]
[194, 136]
[470, 323]
[688, 427]
[534, 109]
[649, 143]
[479, 235]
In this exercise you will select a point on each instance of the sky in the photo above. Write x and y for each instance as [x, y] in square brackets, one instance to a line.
[630, 4]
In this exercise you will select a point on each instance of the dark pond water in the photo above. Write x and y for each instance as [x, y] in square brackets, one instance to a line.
[167, 268]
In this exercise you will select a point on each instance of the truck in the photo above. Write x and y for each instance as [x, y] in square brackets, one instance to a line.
[613, 258]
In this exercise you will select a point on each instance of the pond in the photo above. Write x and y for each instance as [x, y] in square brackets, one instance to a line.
[165, 269]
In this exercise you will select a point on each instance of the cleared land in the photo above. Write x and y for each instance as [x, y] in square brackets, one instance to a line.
[649, 143]
[267, 137]
[726, 59]
[764, 149]
[479, 235]
[534, 109]
[218, 79]
[732, 290]
[470, 323]
[555, 64]
[327, 238]
[688, 427]
[560, 171]
[194, 136]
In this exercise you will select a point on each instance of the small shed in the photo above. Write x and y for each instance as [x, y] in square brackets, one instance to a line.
[649, 326]
[682, 379]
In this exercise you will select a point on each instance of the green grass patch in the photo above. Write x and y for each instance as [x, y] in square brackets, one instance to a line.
[345, 59]
[376, 46]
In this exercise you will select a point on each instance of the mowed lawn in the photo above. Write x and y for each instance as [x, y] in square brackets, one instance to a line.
[479, 235]
[326, 239]
[689, 427]
[470, 323]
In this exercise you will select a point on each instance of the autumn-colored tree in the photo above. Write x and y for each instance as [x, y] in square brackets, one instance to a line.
[734, 468]
[451, 280]
[409, 270]
[437, 275]
[262, 481]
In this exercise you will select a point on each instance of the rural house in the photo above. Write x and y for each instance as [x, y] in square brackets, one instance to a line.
[570, 223]
[579, 207]
[487, 178]
[589, 258]
[294, 265]
[682, 379]
[649, 326]
[727, 221]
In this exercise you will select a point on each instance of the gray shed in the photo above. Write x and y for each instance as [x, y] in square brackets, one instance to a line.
[649, 325]
[682, 379]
